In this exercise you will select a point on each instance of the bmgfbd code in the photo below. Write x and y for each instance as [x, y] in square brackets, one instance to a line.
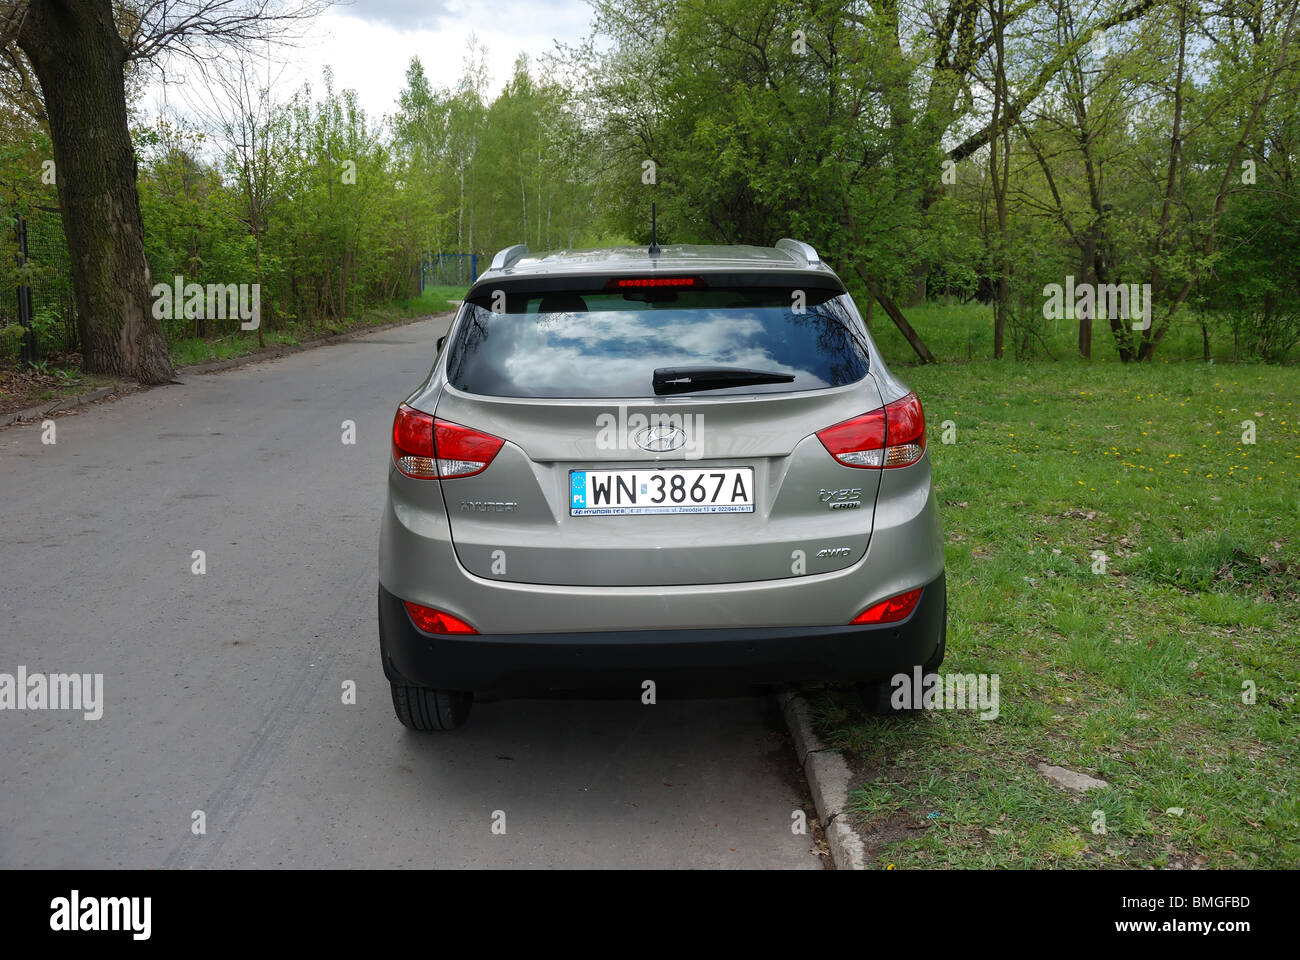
[1197, 903]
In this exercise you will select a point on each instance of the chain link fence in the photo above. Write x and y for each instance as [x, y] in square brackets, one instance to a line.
[46, 272]
[448, 270]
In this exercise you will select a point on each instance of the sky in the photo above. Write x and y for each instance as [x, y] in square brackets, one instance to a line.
[369, 43]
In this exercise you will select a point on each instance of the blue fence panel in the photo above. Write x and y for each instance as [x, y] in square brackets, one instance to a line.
[449, 270]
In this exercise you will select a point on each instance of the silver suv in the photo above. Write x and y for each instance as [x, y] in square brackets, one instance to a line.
[682, 465]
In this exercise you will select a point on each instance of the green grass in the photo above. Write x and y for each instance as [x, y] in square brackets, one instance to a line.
[195, 350]
[960, 332]
[1135, 676]
[433, 300]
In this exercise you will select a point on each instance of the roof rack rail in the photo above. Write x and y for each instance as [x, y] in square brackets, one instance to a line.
[509, 255]
[800, 250]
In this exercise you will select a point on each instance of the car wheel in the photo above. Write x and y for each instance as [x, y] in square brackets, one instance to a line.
[426, 710]
[877, 695]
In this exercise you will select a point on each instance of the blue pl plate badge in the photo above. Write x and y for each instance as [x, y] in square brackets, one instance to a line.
[578, 481]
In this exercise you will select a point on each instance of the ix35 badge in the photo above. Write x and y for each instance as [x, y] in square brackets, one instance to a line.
[847, 498]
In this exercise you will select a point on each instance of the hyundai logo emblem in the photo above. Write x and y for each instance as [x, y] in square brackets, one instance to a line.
[660, 438]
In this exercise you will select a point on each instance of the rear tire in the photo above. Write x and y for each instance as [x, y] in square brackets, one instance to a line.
[877, 695]
[427, 710]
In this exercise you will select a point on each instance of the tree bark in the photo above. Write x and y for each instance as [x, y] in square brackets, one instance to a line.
[78, 58]
[1088, 272]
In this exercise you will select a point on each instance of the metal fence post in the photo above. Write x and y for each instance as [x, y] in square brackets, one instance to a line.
[25, 296]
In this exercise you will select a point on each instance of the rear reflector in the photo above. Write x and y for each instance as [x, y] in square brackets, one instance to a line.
[425, 448]
[891, 610]
[893, 436]
[637, 283]
[435, 621]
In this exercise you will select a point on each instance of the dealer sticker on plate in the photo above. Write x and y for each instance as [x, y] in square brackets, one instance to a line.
[617, 493]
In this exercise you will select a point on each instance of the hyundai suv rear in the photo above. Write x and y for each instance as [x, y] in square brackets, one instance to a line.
[675, 466]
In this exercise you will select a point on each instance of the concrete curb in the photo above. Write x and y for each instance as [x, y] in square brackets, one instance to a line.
[63, 403]
[67, 403]
[829, 779]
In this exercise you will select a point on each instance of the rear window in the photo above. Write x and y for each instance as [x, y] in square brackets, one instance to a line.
[604, 344]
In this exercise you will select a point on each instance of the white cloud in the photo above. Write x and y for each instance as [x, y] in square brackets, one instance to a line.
[368, 45]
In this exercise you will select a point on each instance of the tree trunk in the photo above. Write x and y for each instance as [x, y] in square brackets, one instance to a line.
[999, 175]
[257, 255]
[916, 296]
[1123, 338]
[905, 328]
[1089, 274]
[78, 58]
[460, 212]
[895, 314]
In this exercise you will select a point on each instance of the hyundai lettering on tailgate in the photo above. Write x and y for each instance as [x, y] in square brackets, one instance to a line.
[616, 493]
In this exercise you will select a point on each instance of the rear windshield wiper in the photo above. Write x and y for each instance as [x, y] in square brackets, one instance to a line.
[686, 379]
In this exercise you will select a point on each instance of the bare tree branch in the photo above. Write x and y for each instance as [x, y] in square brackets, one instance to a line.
[199, 29]
[1048, 70]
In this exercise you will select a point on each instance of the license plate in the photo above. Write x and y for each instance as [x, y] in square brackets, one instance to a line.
[618, 493]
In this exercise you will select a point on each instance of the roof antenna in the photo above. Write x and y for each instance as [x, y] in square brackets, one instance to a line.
[654, 231]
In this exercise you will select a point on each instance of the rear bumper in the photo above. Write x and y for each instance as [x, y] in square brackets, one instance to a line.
[676, 660]
[418, 562]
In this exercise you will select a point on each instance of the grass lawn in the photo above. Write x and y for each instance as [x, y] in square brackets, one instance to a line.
[960, 332]
[1135, 675]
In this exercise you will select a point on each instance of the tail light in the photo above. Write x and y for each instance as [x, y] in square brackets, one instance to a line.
[893, 436]
[425, 447]
[892, 610]
[413, 443]
[435, 621]
[462, 452]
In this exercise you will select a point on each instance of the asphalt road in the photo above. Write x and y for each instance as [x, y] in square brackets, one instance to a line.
[223, 693]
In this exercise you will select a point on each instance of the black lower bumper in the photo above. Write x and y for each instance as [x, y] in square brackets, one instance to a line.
[677, 660]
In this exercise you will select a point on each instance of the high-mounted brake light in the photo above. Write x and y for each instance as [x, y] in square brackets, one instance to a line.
[892, 610]
[637, 283]
[425, 447]
[893, 436]
[435, 621]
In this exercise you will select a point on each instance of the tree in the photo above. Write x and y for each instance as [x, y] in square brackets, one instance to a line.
[246, 123]
[79, 51]
[78, 58]
[1171, 278]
